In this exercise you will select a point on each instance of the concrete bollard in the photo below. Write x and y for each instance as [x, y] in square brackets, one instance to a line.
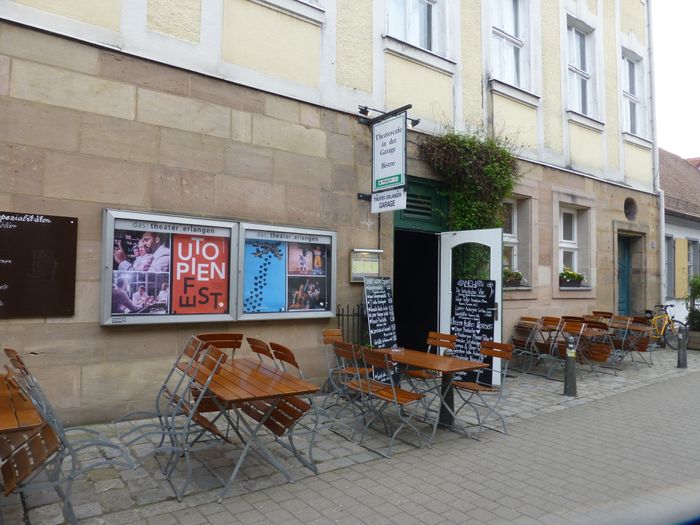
[570, 368]
[683, 347]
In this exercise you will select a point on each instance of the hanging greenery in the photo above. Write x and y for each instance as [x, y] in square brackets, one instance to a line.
[480, 171]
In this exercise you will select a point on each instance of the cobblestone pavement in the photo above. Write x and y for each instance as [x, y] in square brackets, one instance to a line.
[624, 450]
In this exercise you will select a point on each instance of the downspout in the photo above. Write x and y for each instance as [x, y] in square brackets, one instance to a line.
[655, 162]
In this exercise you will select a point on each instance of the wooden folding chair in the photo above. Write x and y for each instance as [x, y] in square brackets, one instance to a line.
[378, 397]
[483, 397]
[425, 381]
[223, 340]
[523, 340]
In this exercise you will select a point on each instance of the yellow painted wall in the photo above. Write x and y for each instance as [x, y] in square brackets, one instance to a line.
[612, 89]
[103, 13]
[179, 18]
[586, 147]
[552, 102]
[472, 99]
[638, 164]
[633, 19]
[270, 41]
[353, 66]
[518, 121]
[428, 90]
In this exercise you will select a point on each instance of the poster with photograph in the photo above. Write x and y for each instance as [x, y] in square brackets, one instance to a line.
[286, 272]
[160, 267]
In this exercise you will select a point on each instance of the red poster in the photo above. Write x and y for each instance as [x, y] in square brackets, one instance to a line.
[200, 274]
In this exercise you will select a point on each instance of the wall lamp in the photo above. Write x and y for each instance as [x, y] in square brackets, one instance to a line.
[364, 110]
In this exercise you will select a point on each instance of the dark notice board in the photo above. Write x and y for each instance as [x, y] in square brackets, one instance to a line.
[380, 312]
[472, 321]
[37, 265]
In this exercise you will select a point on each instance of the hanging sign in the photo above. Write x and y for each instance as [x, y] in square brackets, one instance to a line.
[389, 153]
[391, 200]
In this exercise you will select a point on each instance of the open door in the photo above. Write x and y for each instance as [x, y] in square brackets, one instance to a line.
[473, 256]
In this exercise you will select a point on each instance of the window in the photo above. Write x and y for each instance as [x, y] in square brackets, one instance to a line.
[693, 259]
[582, 86]
[510, 236]
[418, 22]
[516, 236]
[633, 93]
[670, 266]
[510, 42]
[568, 244]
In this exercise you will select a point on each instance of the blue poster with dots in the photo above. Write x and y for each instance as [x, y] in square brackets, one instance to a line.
[264, 286]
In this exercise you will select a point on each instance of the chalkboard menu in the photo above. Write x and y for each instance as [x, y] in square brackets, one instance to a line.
[37, 265]
[380, 312]
[472, 321]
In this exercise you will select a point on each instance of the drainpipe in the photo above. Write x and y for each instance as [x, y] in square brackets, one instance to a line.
[655, 161]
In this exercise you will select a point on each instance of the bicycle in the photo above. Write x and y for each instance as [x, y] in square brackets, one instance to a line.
[664, 327]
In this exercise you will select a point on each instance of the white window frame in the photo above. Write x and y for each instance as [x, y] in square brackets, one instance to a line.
[633, 93]
[511, 42]
[568, 245]
[581, 61]
[511, 239]
[403, 22]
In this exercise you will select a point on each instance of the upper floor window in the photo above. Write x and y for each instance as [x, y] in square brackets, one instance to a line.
[633, 93]
[581, 65]
[510, 41]
[418, 22]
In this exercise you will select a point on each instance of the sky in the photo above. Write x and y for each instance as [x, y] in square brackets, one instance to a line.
[677, 75]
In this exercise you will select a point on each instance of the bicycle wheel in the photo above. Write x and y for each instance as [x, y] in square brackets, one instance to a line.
[672, 335]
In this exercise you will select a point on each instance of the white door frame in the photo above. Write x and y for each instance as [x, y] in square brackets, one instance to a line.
[493, 238]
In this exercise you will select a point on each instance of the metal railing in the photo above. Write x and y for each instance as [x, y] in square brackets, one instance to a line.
[352, 320]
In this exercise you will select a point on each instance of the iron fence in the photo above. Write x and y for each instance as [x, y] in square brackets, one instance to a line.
[352, 320]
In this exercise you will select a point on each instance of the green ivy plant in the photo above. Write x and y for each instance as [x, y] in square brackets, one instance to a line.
[480, 171]
[693, 295]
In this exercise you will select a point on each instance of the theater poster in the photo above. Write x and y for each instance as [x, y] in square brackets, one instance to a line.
[164, 268]
[286, 272]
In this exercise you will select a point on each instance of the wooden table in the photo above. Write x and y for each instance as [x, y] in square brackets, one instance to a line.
[447, 366]
[245, 380]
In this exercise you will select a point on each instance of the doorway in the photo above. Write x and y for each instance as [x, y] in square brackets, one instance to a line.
[415, 286]
[624, 271]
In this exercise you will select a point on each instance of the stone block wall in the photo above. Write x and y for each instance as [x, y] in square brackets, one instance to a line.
[82, 129]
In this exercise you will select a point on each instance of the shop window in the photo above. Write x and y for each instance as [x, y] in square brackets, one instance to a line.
[516, 236]
[574, 239]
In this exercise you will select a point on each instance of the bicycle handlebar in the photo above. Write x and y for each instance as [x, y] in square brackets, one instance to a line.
[663, 307]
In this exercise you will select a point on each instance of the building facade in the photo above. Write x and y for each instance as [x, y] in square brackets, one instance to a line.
[247, 110]
[680, 182]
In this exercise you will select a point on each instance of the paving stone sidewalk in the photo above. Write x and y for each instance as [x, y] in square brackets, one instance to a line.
[622, 450]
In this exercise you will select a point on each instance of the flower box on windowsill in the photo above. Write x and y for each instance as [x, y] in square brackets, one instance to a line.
[569, 283]
[513, 283]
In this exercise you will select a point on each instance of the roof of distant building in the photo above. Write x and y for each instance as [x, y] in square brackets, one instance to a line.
[695, 161]
[680, 180]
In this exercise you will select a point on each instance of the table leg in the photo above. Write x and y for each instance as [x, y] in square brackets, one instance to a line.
[446, 401]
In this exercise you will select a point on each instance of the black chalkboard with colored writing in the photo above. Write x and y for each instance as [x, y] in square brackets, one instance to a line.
[37, 265]
[472, 320]
[379, 303]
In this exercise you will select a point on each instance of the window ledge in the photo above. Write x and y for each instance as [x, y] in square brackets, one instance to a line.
[419, 55]
[585, 121]
[306, 10]
[517, 288]
[575, 288]
[515, 93]
[636, 140]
